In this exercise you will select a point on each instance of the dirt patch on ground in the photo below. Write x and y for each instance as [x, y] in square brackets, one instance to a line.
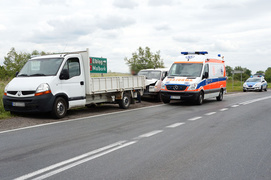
[24, 120]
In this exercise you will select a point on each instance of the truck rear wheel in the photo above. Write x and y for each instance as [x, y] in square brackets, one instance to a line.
[60, 108]
[125, 102]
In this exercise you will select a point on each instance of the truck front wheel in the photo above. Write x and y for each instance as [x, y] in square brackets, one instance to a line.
[60, 108]
[125, 102]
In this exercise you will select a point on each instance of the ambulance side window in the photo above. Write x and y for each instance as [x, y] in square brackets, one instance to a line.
[206, 71]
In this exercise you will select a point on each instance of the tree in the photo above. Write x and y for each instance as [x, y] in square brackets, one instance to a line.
[144, 59]
[268, 74]
[3, 72]
[15, 61]
[245, 75]
[260, 72]
[229, 70]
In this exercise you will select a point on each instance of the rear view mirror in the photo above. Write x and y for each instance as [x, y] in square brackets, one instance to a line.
[205, 75]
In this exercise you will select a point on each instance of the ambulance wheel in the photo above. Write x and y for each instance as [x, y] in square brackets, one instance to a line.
[125, 102]
[60, 108]
[220, 96]
[261, 89]
[199, 100]
[165, 100]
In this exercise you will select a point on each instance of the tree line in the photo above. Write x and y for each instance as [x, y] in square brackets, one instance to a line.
[141, 59]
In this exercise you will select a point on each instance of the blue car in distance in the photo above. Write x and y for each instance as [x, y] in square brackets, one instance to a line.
[255, 83]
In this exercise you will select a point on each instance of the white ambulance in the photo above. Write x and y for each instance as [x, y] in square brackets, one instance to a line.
[196, 77]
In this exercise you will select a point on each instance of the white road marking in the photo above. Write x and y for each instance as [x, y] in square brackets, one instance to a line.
[224, 109]
[210, 113]
[175, 125]
[255, 100]
[76, 161]
[236, 105]
[195, 118]
[152, 133]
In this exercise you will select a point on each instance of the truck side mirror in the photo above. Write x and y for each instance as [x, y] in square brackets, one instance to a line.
[64, 75]
[205, 75]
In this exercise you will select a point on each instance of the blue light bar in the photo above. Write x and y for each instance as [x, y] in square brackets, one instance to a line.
[196, 52]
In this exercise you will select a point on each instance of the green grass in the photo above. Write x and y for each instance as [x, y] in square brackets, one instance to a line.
[235, 86]
[3, 114]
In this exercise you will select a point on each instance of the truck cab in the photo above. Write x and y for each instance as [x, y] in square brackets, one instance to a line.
[196, 77]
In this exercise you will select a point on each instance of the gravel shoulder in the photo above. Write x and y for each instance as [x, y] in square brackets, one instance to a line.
[25, 120]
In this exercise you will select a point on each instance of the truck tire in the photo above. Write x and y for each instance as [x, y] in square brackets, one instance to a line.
[199, 100]
[125, 102]
[220, 96]
[158, 97]
[60, 108]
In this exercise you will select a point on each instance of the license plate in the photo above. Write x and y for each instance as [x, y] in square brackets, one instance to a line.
[18, 104]
[151, 89]
[175, 97]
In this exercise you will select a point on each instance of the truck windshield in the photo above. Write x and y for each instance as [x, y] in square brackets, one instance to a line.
[186, 69]
[41, 67]
[150, 74]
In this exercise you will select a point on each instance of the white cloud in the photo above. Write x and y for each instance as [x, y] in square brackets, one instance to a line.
[129, 4]
[115, 28]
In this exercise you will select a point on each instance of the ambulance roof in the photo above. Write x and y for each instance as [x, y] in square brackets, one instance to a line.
[198, 57]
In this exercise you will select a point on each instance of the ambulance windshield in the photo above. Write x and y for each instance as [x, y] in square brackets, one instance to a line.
[186, 69]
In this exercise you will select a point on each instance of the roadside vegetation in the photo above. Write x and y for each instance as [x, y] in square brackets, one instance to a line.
[3, 113]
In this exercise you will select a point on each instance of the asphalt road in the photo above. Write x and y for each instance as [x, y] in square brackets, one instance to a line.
[217, 140]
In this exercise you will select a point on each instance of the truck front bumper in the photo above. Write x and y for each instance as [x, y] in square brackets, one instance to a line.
[43, 103]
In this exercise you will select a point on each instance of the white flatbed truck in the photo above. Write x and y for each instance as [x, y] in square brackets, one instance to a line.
[56, 83]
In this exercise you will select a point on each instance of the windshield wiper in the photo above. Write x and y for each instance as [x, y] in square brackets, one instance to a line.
[38, 74]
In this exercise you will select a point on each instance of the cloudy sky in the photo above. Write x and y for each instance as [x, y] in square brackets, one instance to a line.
[238, 29]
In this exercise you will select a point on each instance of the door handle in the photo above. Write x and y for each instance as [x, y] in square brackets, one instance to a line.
[82, 83]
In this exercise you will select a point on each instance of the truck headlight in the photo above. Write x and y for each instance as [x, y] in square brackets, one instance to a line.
[192, 87]
[43, 89]
[163, 86]
[6, 90]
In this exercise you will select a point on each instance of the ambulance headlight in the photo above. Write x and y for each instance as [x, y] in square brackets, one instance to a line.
[192, 87]
[245, 85]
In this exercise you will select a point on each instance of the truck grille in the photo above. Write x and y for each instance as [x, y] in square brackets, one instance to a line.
[176, 87]
[23, 92]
